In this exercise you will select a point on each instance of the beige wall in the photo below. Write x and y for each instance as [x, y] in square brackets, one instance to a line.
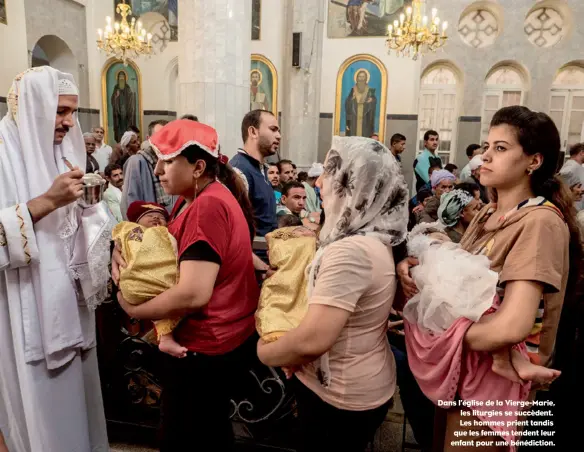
[13, 50]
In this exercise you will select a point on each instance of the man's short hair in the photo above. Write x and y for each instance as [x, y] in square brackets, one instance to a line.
[111, 168]
[252, 119]
[190, 117]
[97, 127]
[396, 138]
[290, 185]
[273, 164]
[158, 122]
[471, 148]
[430, 133]
[451, 167]
[134, 129]
[88, 135]
[469, 187]
[284, 162]
[576, 149]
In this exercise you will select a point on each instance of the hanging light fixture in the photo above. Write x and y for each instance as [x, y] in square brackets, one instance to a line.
[124, 40]
[415, 33]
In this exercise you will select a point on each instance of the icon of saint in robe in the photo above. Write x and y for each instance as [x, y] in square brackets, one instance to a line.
[258, 97]
[360, 108]
[123, 106]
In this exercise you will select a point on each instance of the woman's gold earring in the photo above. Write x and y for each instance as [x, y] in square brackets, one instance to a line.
[196, 187]
[530, 171]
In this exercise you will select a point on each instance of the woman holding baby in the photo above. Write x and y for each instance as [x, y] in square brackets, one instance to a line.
[345, 369]
[216, 294]
[530, 235]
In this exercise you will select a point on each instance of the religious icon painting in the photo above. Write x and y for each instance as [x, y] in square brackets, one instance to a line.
[121, 90]
[361, 97]
[352, 18]
[256, 19]
[263, 81]
[3, 12]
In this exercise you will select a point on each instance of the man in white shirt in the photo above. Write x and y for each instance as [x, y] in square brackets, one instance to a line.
[113, 195]
[102, 152]
[572, 173]
[471, 151]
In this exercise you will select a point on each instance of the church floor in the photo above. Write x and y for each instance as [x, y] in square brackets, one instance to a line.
[388, 437]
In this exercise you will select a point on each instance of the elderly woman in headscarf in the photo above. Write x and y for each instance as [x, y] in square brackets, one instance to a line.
[345, 369]
[442, 182]
[457, 209]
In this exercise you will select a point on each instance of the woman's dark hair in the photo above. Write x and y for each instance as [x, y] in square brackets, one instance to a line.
[451, 167]
[228, 177]
[469, 187]
[537, 134]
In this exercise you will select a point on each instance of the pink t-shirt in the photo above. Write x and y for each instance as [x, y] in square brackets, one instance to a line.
[357, 274]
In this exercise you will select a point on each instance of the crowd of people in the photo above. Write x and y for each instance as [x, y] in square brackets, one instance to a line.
[188, 218]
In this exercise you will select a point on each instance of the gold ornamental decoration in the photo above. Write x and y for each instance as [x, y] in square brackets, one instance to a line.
[124, 40]
[415, 33]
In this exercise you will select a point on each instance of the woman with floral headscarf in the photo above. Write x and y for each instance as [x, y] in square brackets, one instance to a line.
[347, 371]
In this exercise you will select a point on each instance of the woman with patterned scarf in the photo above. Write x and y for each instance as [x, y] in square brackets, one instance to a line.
[345, 369]
[457, 209]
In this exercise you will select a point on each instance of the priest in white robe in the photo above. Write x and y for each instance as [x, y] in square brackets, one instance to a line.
[50, 283]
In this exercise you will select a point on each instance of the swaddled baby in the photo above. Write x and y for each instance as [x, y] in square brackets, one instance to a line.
[150, 252]
[453, 283]
[283, 299]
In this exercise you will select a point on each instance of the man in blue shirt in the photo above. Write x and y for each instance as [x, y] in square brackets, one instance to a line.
[427, 158]
[261, 138]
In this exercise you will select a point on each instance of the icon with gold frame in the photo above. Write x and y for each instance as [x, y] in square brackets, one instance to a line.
[361, 97]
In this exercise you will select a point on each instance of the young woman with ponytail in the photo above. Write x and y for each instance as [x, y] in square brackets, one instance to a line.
[530, 234]
[217, 292]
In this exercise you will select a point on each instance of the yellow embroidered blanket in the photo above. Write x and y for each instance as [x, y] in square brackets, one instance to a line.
[283, 299]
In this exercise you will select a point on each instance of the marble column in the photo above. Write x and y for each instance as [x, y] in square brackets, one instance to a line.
[214, 61]
[301, 86]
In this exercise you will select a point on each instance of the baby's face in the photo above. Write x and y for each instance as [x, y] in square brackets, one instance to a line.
[152, 219]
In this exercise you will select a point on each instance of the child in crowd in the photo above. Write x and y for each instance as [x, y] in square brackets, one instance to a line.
[454, 283]
[150, 252]
[283, 299]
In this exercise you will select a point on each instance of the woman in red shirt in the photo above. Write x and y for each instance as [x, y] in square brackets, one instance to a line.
[217, 292]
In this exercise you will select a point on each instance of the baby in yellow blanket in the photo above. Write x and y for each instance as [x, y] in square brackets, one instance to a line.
[150, 252]
[283, 300]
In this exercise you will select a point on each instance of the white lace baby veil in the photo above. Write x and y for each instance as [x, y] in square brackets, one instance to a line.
[452, 283]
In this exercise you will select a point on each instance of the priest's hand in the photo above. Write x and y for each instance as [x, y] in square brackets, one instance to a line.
[117, 263]
[66, 188]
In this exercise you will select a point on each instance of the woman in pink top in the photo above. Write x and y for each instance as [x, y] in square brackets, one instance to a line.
[346, 371]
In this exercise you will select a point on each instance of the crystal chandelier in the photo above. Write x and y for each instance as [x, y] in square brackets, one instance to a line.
[124, 40]
[412, 35]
